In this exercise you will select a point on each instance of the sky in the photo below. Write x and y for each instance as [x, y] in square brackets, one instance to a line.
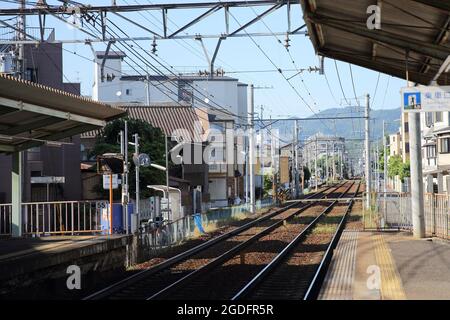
[237, 56]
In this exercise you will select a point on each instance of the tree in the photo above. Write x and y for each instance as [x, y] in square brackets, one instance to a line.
[268, 185]
[151, 143]
[381, 157]
[396, 167]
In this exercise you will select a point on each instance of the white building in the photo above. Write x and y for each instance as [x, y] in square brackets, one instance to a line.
[223, 98]
[436, 151]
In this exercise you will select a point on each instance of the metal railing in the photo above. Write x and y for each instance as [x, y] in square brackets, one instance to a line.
[392, 210]
[171, 233]
[437, 215]
[5, 219]
[53, 218]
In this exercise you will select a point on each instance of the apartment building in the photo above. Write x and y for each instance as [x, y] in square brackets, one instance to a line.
[436, 151]
[224, 99]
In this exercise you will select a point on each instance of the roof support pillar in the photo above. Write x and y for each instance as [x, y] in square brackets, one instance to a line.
[16, 194]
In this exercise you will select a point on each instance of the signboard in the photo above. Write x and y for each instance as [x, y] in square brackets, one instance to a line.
[115, 181]
[425, 99]
[110, 163]
[142, 160]
[48, 180]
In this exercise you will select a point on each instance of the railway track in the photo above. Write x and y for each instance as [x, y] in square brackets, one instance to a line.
[150, 281]
[298, 271]
[224, 276]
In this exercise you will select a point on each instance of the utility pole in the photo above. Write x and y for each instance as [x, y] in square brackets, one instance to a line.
[17, 157]
[293, 164]
[261, 164]
[326, 161]
[125, 190]
[417, 205]
[297, 182]
[385, 167]
[334, 162]
[367, 151]
[167, 176]
[385, 173]
[136, 152]
[251, 115]
[315, 166]
[20, 47]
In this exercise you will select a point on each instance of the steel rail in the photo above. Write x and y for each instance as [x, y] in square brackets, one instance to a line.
[115, 287]
[247, 289]
[314, 288]
[230, 253]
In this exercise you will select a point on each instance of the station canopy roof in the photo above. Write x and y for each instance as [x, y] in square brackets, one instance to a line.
[32, 115]
[413, 33]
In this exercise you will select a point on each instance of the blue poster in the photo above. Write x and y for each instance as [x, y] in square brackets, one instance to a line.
[198, 222]
[412, 101]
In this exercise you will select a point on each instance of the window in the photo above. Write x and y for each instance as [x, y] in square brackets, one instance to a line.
[128, 92]
[431, 152]
[428, 119]
[438, 116]
[406, 127]
[445, 145]
[407, 147]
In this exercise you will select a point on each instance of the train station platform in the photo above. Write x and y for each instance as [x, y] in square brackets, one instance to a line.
[387, 266]
[40, 261]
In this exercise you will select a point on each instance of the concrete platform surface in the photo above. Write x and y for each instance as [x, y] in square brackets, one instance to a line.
[387, 266]
[24, 247]
[42, 262]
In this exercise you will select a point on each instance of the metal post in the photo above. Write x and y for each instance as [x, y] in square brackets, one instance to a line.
[297, 186]
[261, 165]
[16, 194]
[367, 151]
[251, 115]
[136, 150]
[21, 29]
[293, 164]
[417, 206]
[315, 165]
[125, 163]
[326, 161]
[111, 203]
[385, 171]
[167, 177]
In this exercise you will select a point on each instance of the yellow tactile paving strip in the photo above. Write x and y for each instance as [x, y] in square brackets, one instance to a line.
[391, 283]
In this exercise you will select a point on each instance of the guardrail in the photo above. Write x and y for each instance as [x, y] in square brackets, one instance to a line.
[53, 218]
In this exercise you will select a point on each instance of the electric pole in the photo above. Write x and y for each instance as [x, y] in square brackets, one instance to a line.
[367, 151]
[251, 115]
[315, 165]
[297, 184]
[136, 152]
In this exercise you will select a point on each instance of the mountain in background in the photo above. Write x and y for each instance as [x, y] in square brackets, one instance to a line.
[348, 128]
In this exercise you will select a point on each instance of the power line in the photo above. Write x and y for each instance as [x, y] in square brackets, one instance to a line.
[279, 69]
